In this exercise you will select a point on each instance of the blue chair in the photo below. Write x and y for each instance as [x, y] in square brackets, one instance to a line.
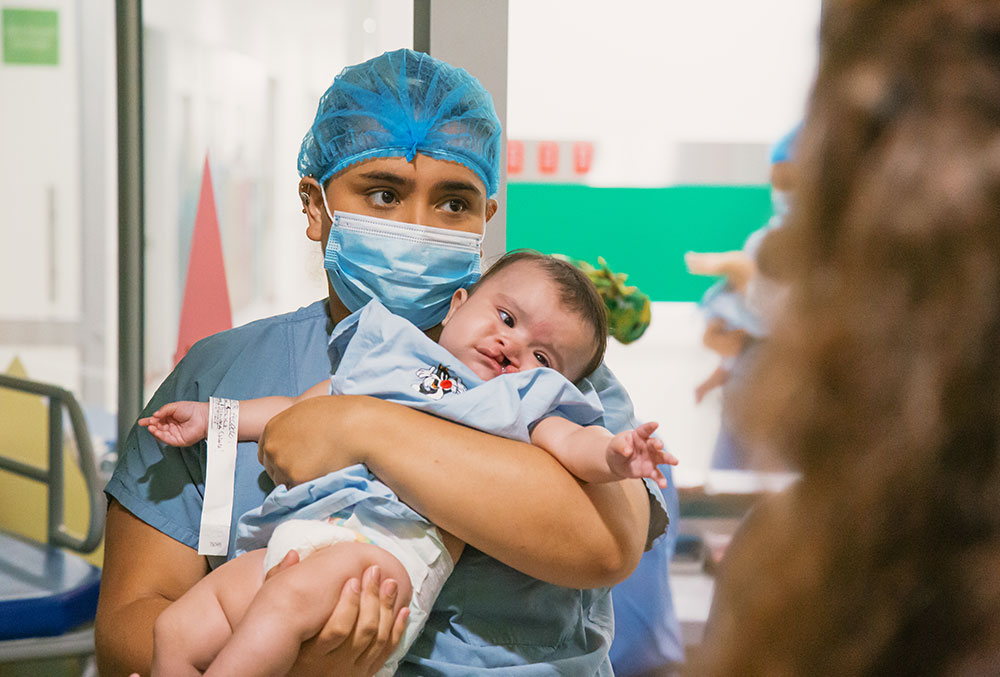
[48, 594]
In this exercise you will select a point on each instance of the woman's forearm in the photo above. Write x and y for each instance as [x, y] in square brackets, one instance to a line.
[511, 500]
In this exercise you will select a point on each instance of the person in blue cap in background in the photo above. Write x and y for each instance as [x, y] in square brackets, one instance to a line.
[407, 138]
[738, 306]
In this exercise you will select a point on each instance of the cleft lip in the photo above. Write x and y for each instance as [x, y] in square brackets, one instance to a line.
[495, 360]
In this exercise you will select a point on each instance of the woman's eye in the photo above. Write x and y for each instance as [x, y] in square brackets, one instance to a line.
[383, 198]
[542, 360]
[506, 318]
[456, 206]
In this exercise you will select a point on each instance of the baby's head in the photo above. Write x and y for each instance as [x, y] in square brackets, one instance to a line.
[528, 310]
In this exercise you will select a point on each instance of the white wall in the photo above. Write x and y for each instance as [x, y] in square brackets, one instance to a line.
[636, 75]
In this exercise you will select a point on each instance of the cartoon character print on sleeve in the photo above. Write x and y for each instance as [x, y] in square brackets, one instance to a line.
[435, 382]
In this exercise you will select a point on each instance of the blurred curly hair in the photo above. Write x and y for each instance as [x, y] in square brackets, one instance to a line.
[881, 380]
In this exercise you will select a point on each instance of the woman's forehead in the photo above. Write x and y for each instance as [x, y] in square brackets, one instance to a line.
[421, 168]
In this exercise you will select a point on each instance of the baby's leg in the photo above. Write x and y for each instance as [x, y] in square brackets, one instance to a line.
[294, 605]
[191, 631]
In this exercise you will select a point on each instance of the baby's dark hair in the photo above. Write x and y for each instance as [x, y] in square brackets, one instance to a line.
[577, 293]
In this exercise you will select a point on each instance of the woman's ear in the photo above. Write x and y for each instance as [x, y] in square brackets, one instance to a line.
[457, 299]
[313, 207]
[491, 208]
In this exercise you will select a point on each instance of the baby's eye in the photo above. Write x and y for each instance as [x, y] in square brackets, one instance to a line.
[457, 206]
[542, 360]
[383, 198]
[506, 318]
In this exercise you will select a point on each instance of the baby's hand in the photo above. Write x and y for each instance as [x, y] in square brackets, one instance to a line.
[635, 453]
[179, 424]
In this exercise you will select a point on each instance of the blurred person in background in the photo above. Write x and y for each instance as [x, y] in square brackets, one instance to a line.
[737, 308]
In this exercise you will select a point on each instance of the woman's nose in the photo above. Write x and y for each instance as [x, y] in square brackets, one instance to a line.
[413, 211]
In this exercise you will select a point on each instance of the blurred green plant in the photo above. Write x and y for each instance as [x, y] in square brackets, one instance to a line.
[628, 308]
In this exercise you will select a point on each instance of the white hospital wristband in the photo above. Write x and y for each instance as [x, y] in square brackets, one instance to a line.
[220, 476]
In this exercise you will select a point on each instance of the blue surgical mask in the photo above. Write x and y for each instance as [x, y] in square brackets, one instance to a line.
[413, 270]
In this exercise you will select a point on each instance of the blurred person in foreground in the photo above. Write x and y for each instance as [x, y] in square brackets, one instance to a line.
[880, 382]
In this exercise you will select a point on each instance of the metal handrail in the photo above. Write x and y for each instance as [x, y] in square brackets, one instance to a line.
[54, 476]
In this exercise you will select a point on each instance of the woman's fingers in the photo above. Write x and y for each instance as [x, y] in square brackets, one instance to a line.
[400, 625]
[387, 599]
[341, 622]
[386, 638]
[367, 623]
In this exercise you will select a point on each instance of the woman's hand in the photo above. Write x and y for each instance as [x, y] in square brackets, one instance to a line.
[309, 440]
[362, 632]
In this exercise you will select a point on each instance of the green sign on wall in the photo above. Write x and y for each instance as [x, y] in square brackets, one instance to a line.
[31, 36]
[643, 232]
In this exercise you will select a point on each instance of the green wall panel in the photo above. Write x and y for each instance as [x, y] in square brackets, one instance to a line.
[640, 231]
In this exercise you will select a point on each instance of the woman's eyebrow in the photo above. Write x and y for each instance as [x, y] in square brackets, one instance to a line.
[387, 177]
[453, 186]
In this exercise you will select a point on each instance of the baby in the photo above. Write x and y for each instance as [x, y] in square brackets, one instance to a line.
[510, 348]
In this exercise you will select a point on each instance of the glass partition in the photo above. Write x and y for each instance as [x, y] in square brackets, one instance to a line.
[230, 88]
[58, 234]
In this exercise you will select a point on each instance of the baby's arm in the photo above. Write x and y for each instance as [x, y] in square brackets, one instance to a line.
[182, 424]
[715, 379]
[736, 266]
[593, 454]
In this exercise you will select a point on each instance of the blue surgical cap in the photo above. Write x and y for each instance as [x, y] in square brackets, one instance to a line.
[784, 149]
[397, 105]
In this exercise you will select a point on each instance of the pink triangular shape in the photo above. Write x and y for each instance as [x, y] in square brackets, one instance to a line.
[205, 309]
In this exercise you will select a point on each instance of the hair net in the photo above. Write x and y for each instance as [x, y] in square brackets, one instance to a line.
[397, 105]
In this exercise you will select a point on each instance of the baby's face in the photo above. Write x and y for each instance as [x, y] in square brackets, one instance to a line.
[514, 322]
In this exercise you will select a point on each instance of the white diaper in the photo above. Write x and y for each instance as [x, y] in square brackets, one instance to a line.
[305, 537]
[417, 546]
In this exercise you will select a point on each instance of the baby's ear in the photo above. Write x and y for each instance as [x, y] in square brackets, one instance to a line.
[457, 299]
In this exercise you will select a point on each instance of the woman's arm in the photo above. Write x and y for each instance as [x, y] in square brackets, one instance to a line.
[509, 499]
[136, 585]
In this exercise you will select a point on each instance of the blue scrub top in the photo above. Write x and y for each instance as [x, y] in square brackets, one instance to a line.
[488, 617]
